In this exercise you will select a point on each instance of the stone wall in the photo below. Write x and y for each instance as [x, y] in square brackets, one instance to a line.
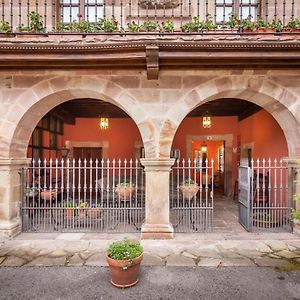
[156, 106]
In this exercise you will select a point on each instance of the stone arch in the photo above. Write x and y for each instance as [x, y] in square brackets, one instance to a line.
[45, 95]
[277, 100]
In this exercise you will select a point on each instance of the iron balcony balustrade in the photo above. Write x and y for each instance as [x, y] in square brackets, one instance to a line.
[145, 16]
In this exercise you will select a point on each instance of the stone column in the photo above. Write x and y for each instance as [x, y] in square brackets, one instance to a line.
[157, 223]
[10, 196]
[295, 164]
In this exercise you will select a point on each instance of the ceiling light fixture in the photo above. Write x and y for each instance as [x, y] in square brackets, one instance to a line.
[103, 122]
[206, 120]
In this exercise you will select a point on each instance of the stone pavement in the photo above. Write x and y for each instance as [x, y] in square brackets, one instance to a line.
[281, 250]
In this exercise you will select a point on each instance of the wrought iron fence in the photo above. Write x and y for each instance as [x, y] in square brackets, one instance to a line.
[192, 195]
[138, 16]
[271, 195]
[81, 196]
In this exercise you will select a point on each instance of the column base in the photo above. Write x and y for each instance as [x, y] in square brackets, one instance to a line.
[9, 229]
[157, 232]
[296, 229]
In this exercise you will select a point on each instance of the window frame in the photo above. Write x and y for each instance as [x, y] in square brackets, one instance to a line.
[237, 9]
[82, 5]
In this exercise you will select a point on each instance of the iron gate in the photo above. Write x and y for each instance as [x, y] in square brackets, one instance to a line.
[83, 196]
[244, 195]
[265, 196]
[192, 196]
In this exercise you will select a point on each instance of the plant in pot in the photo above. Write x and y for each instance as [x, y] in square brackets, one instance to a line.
[82, 209]
[233, 22]
[261, 25]
[124, 259]
[133, 27]
[193, 26]
[247, 25]
[108, 25]
[189, 189]
[293, 26]
[5, 27]
[94, 211]
[167, 26]
[149, 26]
[69, 209]
[36, 23]
[209, 24]
[274, 26]
[124, 190]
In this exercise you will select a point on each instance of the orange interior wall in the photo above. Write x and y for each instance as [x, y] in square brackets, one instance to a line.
[121, 135]
[193, 126]
[220, 125]
[264, 132]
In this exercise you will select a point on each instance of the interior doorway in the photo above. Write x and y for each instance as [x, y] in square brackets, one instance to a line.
[205, 150]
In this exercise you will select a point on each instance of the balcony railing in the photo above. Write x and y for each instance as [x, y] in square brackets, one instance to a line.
[145, 16]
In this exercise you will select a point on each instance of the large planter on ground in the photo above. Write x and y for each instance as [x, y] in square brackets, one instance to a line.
[189, 189]
[124, 191]
[124, 259]
[48, 194]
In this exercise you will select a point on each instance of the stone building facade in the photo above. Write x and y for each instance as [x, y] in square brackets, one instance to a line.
[156, 79]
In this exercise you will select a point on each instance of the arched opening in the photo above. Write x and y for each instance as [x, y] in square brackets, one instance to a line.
[240, 130]
[83, 177]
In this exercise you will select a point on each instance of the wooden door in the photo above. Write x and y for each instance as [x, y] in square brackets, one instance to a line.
[85, 177]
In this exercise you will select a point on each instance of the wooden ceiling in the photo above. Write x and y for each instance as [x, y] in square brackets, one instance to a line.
[91, 108]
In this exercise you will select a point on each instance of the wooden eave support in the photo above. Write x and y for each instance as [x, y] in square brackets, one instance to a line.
[152, 62]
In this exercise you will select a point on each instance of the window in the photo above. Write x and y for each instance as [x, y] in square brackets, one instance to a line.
[74, 10]
[242, 8]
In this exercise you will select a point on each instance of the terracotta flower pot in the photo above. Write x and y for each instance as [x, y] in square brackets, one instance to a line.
[94, 213]
[189, 191]
[124, 273]
[69, 213]
[124, 192]
[48, 195]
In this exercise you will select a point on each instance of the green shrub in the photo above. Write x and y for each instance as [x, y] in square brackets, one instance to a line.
[125, 249]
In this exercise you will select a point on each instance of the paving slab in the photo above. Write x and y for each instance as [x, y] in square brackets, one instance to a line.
[270, 262]
[97, 259]
[209, 262]
[13, 261]
[179, 261]
[150, 259]
[237, 262]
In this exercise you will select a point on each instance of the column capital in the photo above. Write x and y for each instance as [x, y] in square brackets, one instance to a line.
[14, 161]
[157, 164]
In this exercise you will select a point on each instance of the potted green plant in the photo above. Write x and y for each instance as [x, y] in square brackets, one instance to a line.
[247, 25]
[293, 26]
[149, 26]
[167, 26]
[274, 26]
[5, 27]
[189, 189]
[193, 25]
[209, 24]
[108, 25]
[233, 22]
[82, 209]
[133, 26]
[69, 209]
[36, 23]
[124, 259]
[261, 25]
[124, 190]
